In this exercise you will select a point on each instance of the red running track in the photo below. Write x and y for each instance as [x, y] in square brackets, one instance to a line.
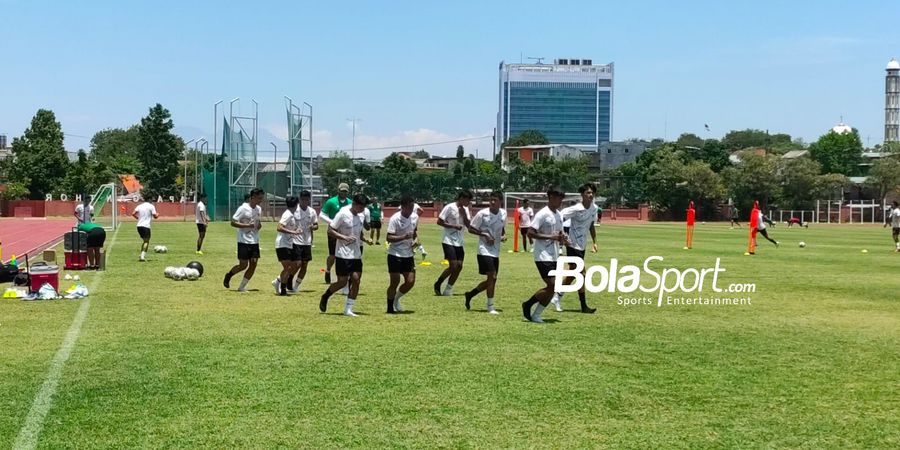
[22, 236]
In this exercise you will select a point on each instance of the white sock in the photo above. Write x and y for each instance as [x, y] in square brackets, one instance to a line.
[348, 307]
[346, 289]
[490, 305]
[297, 284]
[448, 290]
[397, 301]
[243, 286]
[536, 315]
[143, 254]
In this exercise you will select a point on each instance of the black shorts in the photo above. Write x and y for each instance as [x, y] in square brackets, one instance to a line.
[544, 267]
[302, 252]
[344, 267]
[248, 251]
[487, 264]
[574, 252]
[96, 237]
[895, 232]
[331, 243]
[201, 228]
[285, 254]
[566, 230]
[144, 232]
[376, 225]
[399, 264]
[524, 230]
[453, 253]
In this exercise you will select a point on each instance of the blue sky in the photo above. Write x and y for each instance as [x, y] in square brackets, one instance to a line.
[418, 72]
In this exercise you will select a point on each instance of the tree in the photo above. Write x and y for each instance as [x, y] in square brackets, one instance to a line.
[832, 185]
[15, 190]
[739, 140]
[527, 137]
[421, 154]
[337, 168]
[398, 165]
[885, 176]
[799, 183]
[689, 140]
[117, 149]
[838, 152]
[159, 152]
[39, 158]
[670, 183]
[460, 153]
[754, 178]
[80, 178]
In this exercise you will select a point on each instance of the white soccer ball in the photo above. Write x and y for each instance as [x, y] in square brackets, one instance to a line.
[192, 274]
[163, 249]
[179, 273]
[802, 244]
[170, 272]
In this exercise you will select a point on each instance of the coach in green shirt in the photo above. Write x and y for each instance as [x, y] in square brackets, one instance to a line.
[96, 237]
[329, 210]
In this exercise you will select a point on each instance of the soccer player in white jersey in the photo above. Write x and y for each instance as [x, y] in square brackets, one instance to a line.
[401, 234]
[547, 232]
[347, 230]
[490, 226]
[307, 223]
[284, 245]
[246, 220]
[526, 214]
[202, 220]
[454, 218]
[894, 219]
[144, 213]
[581, 216]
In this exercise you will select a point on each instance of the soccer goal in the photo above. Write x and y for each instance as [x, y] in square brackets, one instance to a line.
[106, 207]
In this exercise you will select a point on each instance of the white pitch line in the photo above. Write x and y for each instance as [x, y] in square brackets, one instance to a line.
[34, 423]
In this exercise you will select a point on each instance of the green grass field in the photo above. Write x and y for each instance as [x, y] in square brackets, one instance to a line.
[813, 362]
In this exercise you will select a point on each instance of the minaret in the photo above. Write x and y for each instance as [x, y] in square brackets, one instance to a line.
[892, 102]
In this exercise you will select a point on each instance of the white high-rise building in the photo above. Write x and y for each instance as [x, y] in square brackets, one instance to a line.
[892, 102]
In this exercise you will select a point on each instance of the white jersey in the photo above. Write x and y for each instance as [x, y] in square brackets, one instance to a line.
[453, 215]
[79, 211]
[760, 224]
[525, 216]
[145, 212]
[305, 221]
[288, 222]
[351, 225]
[582, 219]
[247, 215]
[200, 212]
[547, 222]
[493, 224]
[895, 218]
[402, 226]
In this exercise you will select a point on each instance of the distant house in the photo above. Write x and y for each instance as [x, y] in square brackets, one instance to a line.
[531, 153]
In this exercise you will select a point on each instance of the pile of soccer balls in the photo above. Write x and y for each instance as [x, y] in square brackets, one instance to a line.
[182, 273]
[160, 249]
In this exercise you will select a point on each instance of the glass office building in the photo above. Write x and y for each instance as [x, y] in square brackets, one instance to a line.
[570, 101]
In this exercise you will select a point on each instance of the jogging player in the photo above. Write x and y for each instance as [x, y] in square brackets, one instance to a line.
[307, 223]
[490, 226]
[581, 216]
[284, 246]
[401, 261]
[454, 218]
[330, 209]
[144, 213]
[202, 222]
[347, 230]
[547, 232]
[526, 213]
[894, 219]
[246, 220]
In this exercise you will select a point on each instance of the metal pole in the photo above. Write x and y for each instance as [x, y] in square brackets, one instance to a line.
[274, 168]
[215, 155]
[309, 179]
